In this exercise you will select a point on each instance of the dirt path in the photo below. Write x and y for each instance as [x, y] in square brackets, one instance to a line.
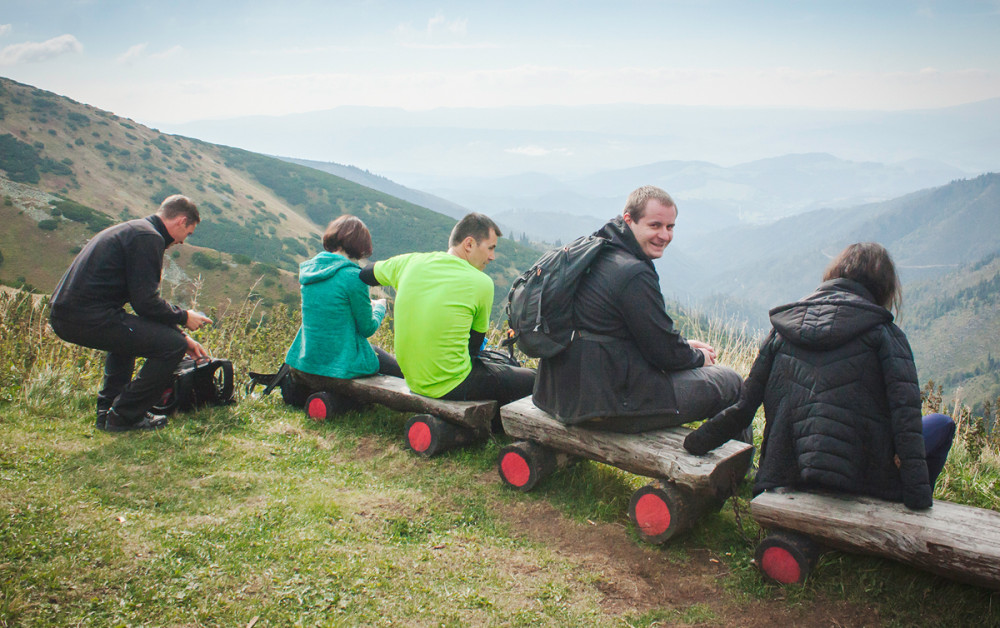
[637, 578]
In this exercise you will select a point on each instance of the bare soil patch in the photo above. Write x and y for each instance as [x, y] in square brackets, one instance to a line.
[637, 578]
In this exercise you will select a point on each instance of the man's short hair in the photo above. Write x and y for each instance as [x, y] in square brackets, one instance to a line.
[636, 204]
[350, 234]
[476, 225]
[179, 205]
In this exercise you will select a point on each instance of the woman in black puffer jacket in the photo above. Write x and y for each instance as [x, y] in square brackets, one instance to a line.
[839, 387]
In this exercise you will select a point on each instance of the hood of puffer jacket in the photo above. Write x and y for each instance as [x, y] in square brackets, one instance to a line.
[322, 267]
[620, 235]
[839, 311]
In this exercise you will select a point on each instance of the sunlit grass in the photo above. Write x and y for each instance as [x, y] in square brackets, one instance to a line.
[253, 511]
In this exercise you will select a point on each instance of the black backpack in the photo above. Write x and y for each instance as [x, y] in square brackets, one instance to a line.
[196, 384]
[540, 303]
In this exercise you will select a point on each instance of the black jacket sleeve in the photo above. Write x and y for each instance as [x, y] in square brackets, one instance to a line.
[649, 324]
[144, 265]
[903, 394]
[475, 342]
[367, 275]
[730, 422]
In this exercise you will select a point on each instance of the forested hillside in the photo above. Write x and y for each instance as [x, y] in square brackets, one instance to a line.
[954, 327]
[68, 170]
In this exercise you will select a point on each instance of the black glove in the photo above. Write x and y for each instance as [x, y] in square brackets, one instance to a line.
[698, 443]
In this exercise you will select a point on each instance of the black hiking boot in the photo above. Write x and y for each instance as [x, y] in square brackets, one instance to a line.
[102, 420]
[149, 421]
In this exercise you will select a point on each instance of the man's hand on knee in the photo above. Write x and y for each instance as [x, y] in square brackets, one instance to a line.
[195, 350]
[196, 320]
[705, 348]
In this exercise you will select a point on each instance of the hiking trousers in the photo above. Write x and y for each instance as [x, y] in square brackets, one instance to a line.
[125, 337]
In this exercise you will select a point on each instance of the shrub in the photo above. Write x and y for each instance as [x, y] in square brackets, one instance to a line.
[48, 225]
[19, 159]
[78, 118]
[204, 261]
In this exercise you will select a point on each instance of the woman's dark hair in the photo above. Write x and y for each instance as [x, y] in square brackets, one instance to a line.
[869, 264]
[350, 234]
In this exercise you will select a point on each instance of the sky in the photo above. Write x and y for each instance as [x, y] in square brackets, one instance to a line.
[178, 61]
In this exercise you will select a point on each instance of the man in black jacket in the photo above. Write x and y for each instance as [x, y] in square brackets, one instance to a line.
[120, 265]
[627, 368]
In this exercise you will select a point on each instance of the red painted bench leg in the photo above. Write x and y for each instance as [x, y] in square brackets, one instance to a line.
[786, 557]
[427, 435]
[660, 510]
[524, 464]
[325, 405]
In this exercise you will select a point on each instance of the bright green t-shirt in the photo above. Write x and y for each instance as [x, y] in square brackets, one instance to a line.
[439, 298]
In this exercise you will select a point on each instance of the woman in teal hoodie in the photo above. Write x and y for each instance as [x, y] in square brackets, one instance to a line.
[338, 316]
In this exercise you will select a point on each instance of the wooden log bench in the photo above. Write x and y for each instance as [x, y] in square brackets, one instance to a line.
[952, 540]
[684, 486]
[439, 425]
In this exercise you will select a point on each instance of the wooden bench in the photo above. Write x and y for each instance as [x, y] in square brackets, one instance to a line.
[684, 488]
[439, 426]
[960, 542]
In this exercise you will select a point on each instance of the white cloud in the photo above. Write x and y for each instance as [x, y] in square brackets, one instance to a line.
[35, 52]
[132, 53]
[439, 23]
[168, 53]
[4, 29]
[533, 150]
[440, 32]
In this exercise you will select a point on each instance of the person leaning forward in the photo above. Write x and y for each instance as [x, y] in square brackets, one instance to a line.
[442, 313]
[628, 369]
[120, 265]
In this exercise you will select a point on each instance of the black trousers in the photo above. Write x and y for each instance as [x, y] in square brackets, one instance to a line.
[490, 380]
[126, 337]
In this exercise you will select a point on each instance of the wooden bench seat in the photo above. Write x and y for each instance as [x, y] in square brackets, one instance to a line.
[953, 540]
[685, 485]
[440, 424]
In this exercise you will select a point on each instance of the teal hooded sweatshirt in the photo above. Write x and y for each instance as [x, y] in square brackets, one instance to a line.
[337, 319]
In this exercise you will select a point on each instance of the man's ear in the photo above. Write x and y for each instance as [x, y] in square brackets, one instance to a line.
[469, 243]
[628, 219]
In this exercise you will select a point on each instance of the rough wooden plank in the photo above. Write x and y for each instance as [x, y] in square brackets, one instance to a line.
[392, 392]
[657, 454]
[961, 542]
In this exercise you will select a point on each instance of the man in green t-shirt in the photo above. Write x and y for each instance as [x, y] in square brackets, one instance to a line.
[442, 313]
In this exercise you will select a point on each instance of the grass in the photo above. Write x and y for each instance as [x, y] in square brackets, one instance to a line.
[252, 514]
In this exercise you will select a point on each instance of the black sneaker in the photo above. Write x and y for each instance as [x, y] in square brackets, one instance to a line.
[102, 420]
[149, 421]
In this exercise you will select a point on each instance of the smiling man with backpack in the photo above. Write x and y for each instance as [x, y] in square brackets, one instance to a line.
[626, 368]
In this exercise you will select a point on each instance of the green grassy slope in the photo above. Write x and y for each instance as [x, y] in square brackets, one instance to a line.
[255, 207]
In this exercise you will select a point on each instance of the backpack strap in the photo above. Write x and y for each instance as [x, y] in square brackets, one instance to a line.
[270, 381]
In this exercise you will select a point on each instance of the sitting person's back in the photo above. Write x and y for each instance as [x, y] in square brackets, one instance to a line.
[627, 368]
[338, 316]
[442, 314]
[840, 393]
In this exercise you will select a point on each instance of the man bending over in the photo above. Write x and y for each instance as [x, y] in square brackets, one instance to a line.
[120, 265]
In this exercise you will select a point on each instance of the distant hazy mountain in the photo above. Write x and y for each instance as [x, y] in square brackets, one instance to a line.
[929, 233]
[710, 197]
[382, 184]
[574, 141]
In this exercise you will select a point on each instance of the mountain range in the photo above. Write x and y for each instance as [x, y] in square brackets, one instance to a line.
[749, 237]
